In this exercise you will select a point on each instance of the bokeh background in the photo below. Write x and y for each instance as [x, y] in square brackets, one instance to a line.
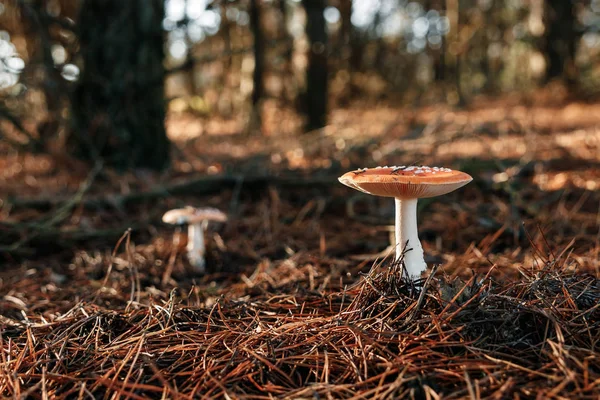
[267, 68]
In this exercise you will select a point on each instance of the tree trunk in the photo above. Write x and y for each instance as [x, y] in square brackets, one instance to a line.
[356, 39]
[560, 40]
[259, 64]
[285, 35]
[439, 55]
[119, 105]
[316, 73]
[287, 73]
[453, 60]
[345, 53]
[52, 85]
[345, 34]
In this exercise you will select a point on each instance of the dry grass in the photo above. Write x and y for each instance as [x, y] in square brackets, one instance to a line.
[288, 310]
[382, 338]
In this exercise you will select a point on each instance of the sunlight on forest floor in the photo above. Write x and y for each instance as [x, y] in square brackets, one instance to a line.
[534, 163]
[297, 248]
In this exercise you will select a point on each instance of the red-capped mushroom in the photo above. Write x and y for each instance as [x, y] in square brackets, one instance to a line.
[407, 184]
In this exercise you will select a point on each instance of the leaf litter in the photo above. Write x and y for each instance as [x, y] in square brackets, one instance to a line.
[297, 304]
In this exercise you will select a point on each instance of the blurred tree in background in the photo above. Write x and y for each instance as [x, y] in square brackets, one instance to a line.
[88, 76]
[118, 104]
[560, 40]
[259, 64]
[317, 71]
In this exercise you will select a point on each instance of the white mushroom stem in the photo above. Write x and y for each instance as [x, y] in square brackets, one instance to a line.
[196, 248]
[406, 230]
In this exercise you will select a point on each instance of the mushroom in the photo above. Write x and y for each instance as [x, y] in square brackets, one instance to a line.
[407, 184]
[197, 220]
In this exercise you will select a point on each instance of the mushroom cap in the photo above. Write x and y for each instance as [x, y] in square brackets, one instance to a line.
[405, 182]
[191, 215]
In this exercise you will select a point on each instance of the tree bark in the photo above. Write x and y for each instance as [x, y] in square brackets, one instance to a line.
[345, 34]
[453, 63]
[287, 77]
[560, 40]
[439, 55]
[259, 64]
[118, 106]
[317, 72]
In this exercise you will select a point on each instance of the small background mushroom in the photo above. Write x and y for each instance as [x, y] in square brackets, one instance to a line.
[197, 220]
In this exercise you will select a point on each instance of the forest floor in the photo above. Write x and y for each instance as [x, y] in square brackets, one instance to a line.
[97, 299]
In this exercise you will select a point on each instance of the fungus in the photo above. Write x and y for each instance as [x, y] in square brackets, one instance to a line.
[407, 185]
[197, 220]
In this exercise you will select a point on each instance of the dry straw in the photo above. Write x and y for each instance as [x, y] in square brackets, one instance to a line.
[382, 339]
